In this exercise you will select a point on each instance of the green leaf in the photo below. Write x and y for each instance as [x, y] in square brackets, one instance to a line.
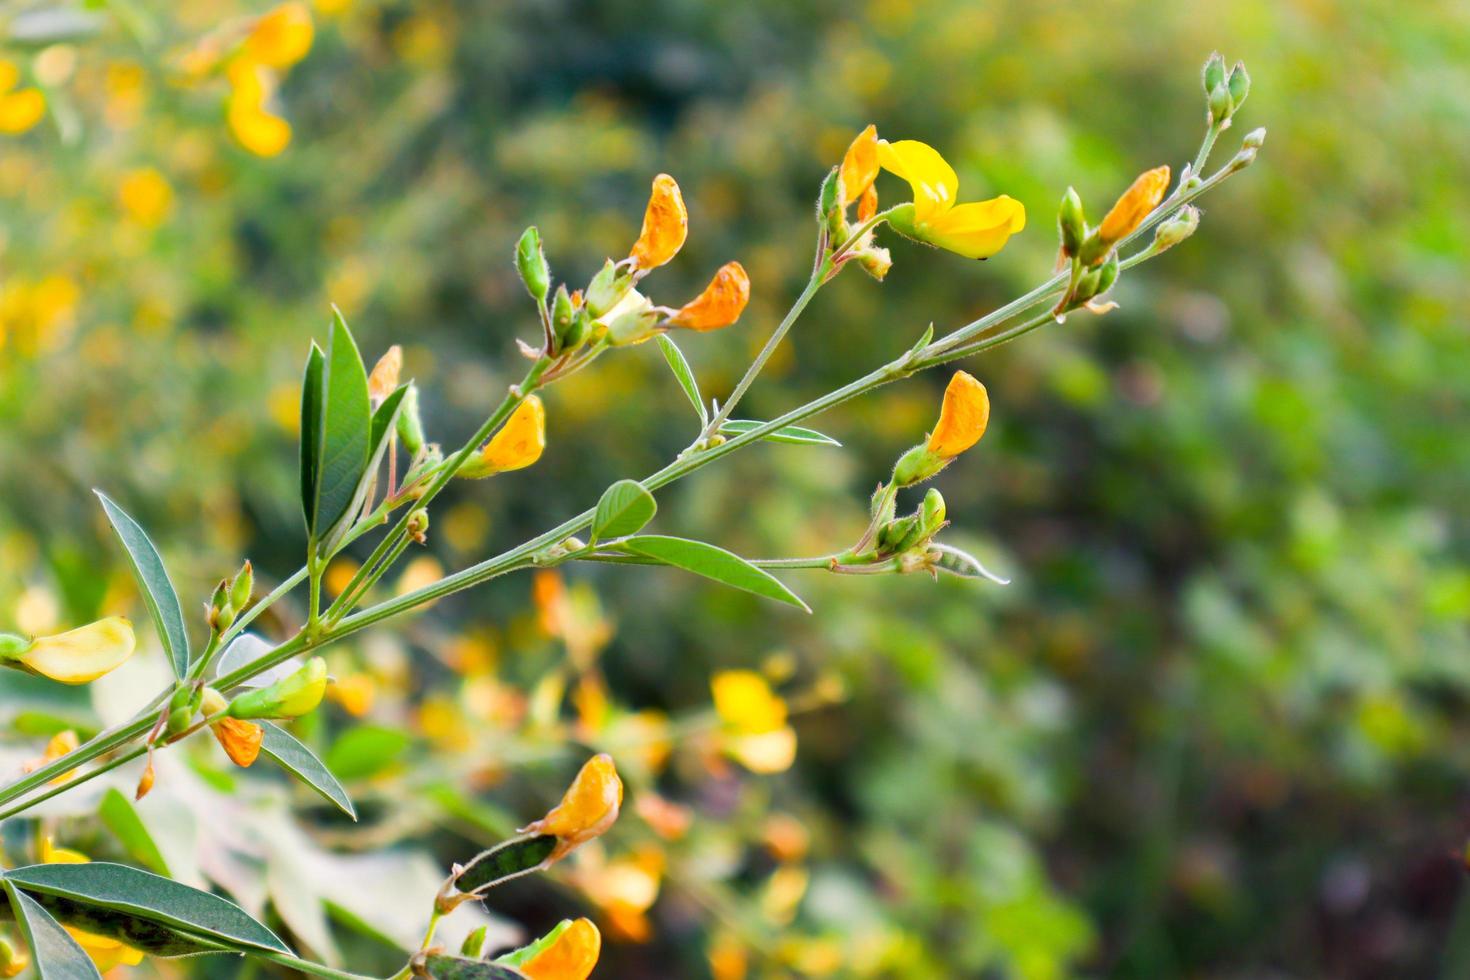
[457, 968]
[793, 434]
[121, 817]
[383, 422]
[366, 751]
[302, 763]
[714, 563]
[149, 896]
[158, 591]
[509, 860]
[340, 436]
[684, 375]
[311, 429]
[624, 509]
[57, 955]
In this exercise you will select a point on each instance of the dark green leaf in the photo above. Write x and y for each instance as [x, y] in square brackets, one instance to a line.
[366, 751]
[624, 509]
[715, 563]
[684, 375]
[509, 860]
[457, 968]
[792, 434]
[345, 428]
[383, 422]
[121, 817]
[311, 430]
[153, 582]
[301, 762]
[57, 955]
[149, 896]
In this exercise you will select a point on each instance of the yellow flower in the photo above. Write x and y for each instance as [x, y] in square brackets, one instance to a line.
[259, 131]
[75, 657]
[665, 226]
[766, 753]
[746, 703]
[962, 418]
[860, 167]
[976, 230]
[1137, 201]
[589, 807]
[106, 952]
[623, 889]
[520, 442]
[20, 109]
[59, 745]
[355, 693]
[571, 955]
[240, 740]
[146, 196]
[721, 303]
[281, 37]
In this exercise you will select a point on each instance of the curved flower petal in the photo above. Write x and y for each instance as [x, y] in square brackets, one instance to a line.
[962, 418]
[979, 229]
[520, 442]
[860, 165]
[721, 303]
[665, 225]
[934, 181]
[83, 654]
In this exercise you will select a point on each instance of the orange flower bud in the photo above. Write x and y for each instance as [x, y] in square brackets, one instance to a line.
[1135, 204]
[384, 379]
[721, 303]
[145, 783]
[570, 955]
[520, 442]
[665, 225]
[860, 167]
[239, 739]
[588, 809]
[962, 418]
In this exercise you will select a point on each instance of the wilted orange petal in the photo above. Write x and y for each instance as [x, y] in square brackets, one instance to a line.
[963, 417]
[721, 303]
[860, 165]
[240, 740]
[1135, 204]
[665, 225]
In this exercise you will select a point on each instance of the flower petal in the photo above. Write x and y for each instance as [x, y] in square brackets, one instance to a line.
[979, 229]
[860, 165]
[929, 174]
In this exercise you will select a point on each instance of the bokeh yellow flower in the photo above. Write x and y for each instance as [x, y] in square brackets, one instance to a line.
[721, 303]
[20, 108]
[145, 196]
[254, 126]
[962, 418]
[665, 225]
[976, 230]
[746, 703]
[281, 37]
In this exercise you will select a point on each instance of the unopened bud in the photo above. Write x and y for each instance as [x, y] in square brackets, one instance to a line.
[1255, 139]
[1219, 104]
[1239, 84]
[830, 208]
[212, 702]
[410, 426]
[931, 512]
[899, 535]
[1176, 228]
[181, 710]
[1107, 274]
[561, 313]
[875, 261]
[145, 782]
[607, 288]
[221, 613]
[531, 264]
[418, 526]
[1071, 225]
[1214, 72]
[242, 587]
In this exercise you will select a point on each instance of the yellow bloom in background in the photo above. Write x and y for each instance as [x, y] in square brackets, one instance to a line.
[1137, 202]
[746, 703]
[721, 303]
[766, 753]
[281, 37]
[255, 127]
[976, 230]
[145, 196]
[20, 109]
[589, 807]
[355, 693]
[75, 657]
[665, 226]
[520, 442]
[384, 379]
[623, 889]
[860, 167]
[962, 418]
[240, 740]
[571, 955]
[106, 953]
[59, 745]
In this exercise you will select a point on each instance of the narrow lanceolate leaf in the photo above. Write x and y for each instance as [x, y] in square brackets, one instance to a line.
[148, 896]
[624, 509]
[792, 434]
[383, 422]
[56, 954]
[344, 430]
[509, 860]
[714, 563]
[301, 762]
[121, 817]
[684, 375]
[458, 968]
[153, 582]
[311, 429]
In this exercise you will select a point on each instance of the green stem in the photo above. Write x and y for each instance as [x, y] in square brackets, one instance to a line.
[308, 967]
[1206, 145]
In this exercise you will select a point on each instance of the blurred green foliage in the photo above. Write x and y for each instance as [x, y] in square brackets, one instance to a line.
[1216, 725]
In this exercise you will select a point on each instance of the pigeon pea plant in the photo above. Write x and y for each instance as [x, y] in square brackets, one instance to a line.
[365, 458]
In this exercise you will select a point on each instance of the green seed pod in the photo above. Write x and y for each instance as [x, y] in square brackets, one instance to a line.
[1071, 225]
[831, 214]
[1214, 72]
[1239, 84]
[931, 513]
[531, 264]
[410, 426]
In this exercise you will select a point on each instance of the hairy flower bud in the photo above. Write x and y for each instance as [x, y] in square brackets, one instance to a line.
[410, 425]
[1071, 225]
[1176, 228]
[242, 586]
[831, 211]
[931, 513]
[721, 303]
[1137, 202]
[531, 264]
[607, 289]
[1239, 85]
[1214, 72]
[1219, 104]
[665, 226]
[587, 810]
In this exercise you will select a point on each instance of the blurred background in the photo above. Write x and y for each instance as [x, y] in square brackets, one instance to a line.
[1215, 727]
